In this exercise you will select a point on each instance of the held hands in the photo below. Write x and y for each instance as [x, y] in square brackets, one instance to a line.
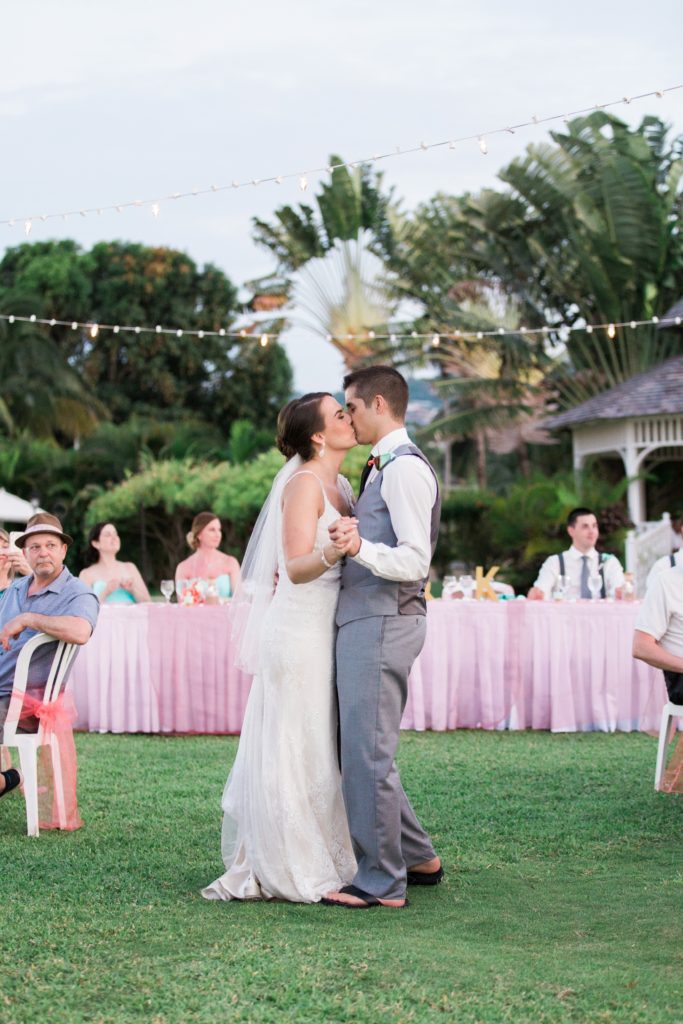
[344, 535]
[118, 584]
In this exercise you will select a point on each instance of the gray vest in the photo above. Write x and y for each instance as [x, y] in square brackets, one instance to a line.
[363, 594]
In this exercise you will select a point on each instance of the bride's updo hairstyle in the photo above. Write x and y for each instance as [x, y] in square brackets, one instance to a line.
[299, 419]
[201, 520]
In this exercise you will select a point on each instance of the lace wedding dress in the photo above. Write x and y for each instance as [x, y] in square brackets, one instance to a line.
[285, 833]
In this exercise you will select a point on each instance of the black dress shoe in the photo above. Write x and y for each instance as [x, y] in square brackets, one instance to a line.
[425, 877]
[12, 780]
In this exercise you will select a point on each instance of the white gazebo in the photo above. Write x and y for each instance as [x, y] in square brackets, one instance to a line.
[641, 421]
[14, 509]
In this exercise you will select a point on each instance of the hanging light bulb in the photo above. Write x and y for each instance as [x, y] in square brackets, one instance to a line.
[436, 341]
[264, 340]
[611, 331]
[94, 330]
[303, 182]
[483, 145]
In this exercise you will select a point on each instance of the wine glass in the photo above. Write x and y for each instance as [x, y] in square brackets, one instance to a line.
[466, 584]
[595, 585]
[561, 588]
[167, 587]
[450, 585]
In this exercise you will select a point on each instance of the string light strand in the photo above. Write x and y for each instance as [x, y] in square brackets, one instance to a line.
[436, 339]
[480, 137]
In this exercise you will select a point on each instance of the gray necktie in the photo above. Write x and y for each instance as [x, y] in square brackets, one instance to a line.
[585, 590]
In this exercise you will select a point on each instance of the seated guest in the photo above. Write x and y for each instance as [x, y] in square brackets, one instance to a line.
[580, 562]
[50, 600]
[658, 639]
[208, 562]
[114, 582]
[668, 561]
[12, 562]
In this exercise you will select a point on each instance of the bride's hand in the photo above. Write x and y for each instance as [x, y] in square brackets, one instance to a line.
[340, 529]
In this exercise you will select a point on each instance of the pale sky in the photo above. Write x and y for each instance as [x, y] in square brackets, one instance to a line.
[107, 102]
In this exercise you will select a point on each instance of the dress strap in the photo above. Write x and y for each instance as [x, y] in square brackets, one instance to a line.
[307, 472]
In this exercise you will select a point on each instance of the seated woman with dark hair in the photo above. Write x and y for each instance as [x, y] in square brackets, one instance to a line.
[112, 581]
[12, 561]
[207, 562]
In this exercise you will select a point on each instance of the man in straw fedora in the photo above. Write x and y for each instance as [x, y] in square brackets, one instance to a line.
[50, 600]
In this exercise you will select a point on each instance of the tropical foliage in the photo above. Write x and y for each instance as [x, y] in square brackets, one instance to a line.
[332, 258]
[116, 374]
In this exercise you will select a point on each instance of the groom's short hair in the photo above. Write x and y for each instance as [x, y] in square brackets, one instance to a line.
[380, 380]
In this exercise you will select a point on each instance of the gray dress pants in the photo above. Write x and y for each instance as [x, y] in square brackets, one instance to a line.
[374, 658]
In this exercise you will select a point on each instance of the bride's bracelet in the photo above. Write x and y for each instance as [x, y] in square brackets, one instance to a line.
[323, 559]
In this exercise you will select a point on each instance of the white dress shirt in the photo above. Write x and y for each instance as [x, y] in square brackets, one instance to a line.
[550, 570]
[663, 563]
[409, 489]
[661, 613]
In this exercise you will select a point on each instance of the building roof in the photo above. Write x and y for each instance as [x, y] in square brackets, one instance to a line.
[656, 391]
[671, 314]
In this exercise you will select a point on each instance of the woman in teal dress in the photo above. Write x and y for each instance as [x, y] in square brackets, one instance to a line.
[207, 562]
[113, 581]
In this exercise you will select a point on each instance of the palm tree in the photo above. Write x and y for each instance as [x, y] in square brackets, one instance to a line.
[331, 259]
[39, 391]
[587, 231]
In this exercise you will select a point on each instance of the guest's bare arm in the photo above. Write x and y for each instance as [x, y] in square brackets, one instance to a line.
[138, 587]
[649, 650]
[71, 628]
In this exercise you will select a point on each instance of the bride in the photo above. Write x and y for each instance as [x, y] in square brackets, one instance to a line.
[285, 834]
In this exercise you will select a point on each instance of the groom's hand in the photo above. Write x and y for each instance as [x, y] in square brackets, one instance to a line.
[344, 535]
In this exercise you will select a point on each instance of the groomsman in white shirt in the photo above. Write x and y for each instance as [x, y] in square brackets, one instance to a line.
[580, 562]
[668, 561]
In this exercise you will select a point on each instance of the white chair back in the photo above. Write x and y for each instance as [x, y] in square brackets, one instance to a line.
[61, 663]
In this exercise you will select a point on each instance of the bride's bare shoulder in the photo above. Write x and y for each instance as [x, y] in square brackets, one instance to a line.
[303, 488]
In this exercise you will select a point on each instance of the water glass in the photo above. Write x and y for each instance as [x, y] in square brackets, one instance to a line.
[167, 587]
[561, 588]
[450, 585]
[466, 584]
[595, 585]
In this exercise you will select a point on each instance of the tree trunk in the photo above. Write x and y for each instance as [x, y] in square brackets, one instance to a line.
[480, 441]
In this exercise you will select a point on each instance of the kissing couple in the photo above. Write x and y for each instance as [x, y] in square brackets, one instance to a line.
[351, 575]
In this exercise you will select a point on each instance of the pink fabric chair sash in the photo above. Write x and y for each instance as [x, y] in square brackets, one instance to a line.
[57, 718]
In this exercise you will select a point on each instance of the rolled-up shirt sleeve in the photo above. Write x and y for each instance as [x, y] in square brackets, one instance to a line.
[653, 617]
[409, 490]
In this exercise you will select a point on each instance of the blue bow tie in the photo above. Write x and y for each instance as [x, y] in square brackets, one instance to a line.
[380, 461]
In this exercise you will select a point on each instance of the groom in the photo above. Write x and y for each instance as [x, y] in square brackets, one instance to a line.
[381, 620]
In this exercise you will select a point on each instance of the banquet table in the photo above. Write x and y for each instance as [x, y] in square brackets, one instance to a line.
[493, 665]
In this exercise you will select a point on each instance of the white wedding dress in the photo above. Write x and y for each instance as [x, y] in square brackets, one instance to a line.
[285, 834]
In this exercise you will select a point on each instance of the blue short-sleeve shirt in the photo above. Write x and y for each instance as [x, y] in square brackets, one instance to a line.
[66, 595]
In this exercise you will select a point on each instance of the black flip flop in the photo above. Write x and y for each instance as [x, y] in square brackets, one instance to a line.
[369, 901]
[425, 877]
[12, 780]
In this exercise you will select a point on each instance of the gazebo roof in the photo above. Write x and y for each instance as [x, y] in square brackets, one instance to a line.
[652, 393]
[671, 314]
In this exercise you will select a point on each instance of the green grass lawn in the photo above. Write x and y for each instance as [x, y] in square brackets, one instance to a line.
[562, 899]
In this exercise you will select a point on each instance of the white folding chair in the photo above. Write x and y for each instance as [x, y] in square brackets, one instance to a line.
[28, 743]
[669, 712]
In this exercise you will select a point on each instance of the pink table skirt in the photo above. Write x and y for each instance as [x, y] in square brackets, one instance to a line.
[532, 665]
[509, 664]
[160, 668]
